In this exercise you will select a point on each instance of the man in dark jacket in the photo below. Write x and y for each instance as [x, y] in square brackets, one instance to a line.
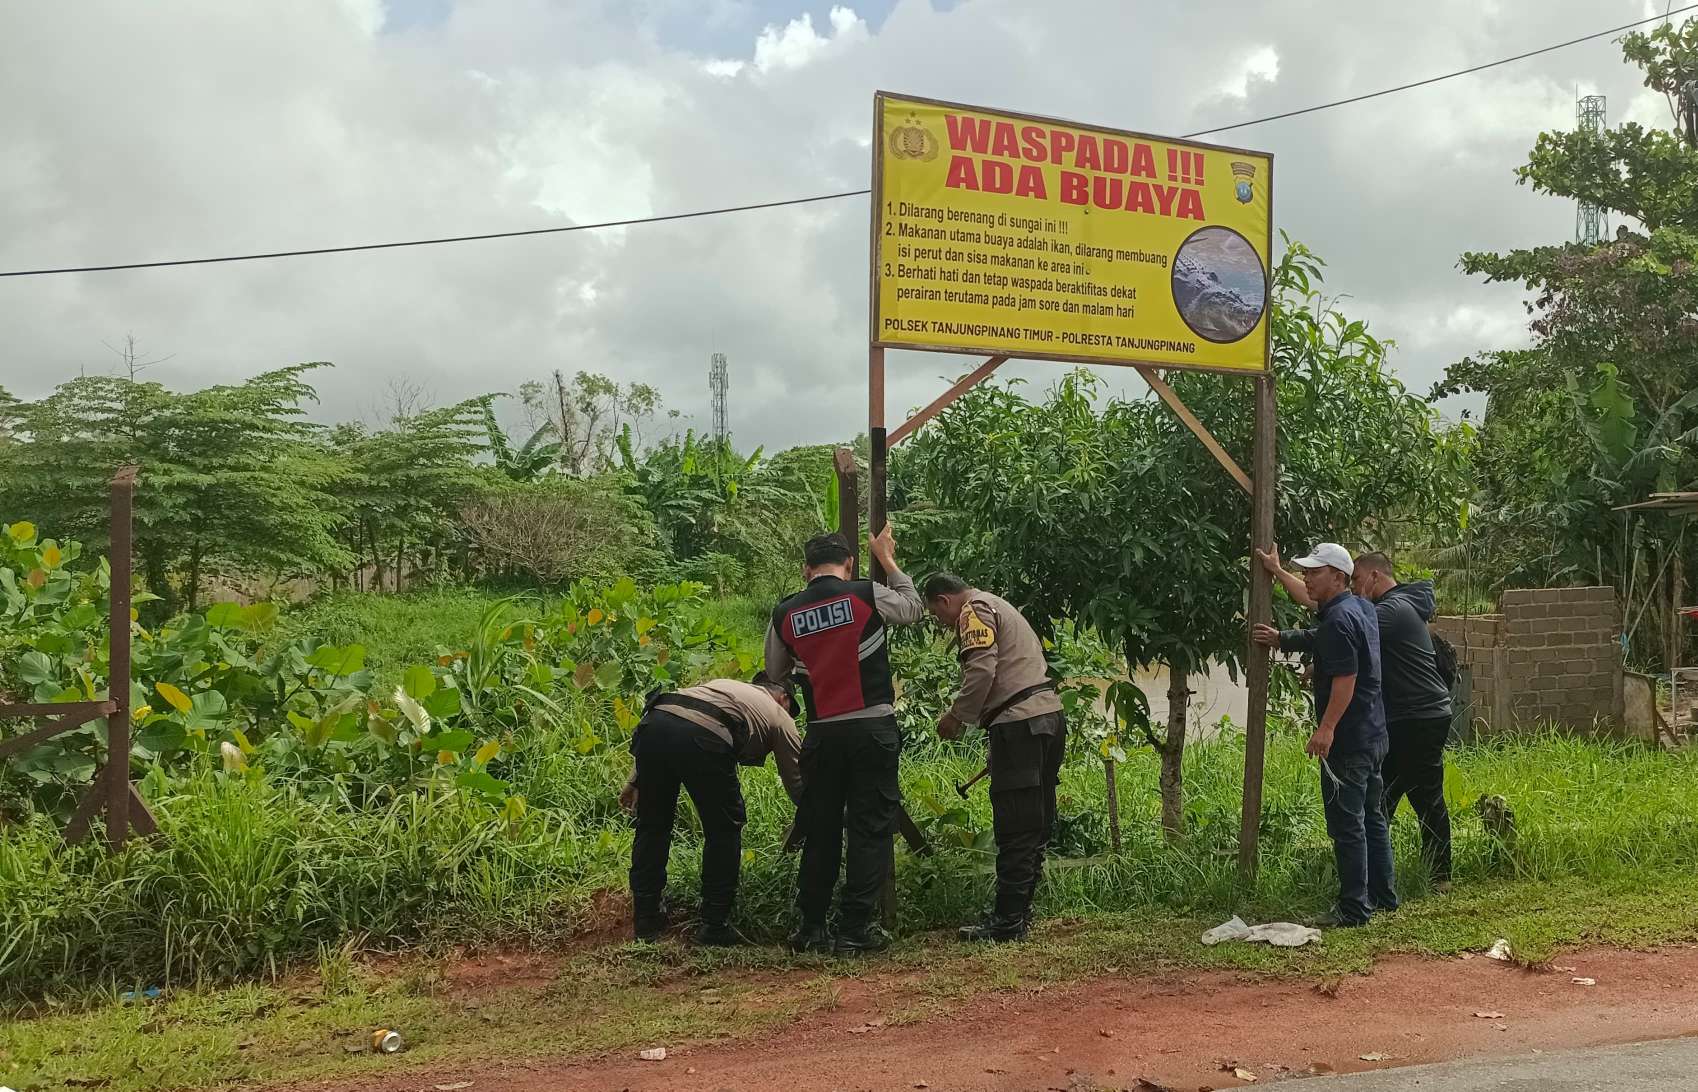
[1417, 705]
[1417, 701]
[1350, 739]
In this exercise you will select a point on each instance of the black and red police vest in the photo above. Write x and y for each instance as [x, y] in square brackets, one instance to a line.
[837, 637]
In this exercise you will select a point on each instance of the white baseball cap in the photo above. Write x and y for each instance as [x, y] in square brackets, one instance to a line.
[1327, 553]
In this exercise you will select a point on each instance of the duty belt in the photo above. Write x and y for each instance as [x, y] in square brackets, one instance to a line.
[1015, 699]
[733, 724]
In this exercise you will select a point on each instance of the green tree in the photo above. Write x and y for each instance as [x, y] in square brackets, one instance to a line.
[1113, 515]
[531, 460]
[724, 516]
[1603, 408]
[232, 476]
[407, 486]
[588, 416]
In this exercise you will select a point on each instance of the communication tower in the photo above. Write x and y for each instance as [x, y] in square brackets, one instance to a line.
[718, 381]
[1589, 222]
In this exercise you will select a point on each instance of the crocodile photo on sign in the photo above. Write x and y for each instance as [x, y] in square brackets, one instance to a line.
[1219, 284]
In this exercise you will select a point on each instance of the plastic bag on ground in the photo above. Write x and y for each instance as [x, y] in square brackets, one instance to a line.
[1227, 930]
[1281, 934]
[1284, 934]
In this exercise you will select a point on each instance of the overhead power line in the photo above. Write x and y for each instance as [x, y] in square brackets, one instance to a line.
[817, 197]
[1447, 75]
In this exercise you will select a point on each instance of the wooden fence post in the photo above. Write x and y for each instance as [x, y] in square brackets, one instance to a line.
[118, 788]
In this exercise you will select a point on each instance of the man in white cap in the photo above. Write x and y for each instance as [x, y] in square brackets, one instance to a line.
[1351, 738]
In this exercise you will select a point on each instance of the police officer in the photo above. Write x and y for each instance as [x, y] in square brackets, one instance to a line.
[831, 636]
[696, 738]
[1005, 689]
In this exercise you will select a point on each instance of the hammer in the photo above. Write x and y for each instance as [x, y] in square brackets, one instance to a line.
[978, 777]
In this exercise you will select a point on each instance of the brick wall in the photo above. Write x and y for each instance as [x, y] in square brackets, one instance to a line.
[1550, 655]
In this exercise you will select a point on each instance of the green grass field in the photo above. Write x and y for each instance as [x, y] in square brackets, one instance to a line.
[252, 907]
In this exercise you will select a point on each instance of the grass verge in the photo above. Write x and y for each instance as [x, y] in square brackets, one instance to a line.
[624, 998]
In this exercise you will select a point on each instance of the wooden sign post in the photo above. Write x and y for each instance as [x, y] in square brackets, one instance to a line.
[1021, 236]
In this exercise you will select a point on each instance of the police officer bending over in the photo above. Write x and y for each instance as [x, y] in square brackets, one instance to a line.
[696, 738]
[1006, 689]
[831, 635]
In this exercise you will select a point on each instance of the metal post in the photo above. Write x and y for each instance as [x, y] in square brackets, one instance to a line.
[1264, 484]
[118, 659]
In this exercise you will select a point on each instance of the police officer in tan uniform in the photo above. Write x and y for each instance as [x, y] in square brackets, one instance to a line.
[695, 739]
[1005, 689]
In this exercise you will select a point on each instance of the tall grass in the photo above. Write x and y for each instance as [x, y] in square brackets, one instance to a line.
[253, 872]
[249, 876]
[396, 630]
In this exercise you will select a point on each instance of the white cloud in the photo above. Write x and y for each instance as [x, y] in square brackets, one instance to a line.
[797, 43]
[1261, 64]
[367, 15]
[190, 130]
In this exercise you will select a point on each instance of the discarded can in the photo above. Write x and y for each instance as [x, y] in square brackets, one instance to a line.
[384, 1041]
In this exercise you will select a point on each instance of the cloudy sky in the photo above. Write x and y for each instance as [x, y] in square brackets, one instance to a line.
[201, 127]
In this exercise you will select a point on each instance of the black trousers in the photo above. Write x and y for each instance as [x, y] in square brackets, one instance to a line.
[1414, 767]
[1025, 767]
[671, 752]
[849, 786]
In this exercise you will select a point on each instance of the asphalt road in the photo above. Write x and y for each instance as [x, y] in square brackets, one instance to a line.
[1667, 1066]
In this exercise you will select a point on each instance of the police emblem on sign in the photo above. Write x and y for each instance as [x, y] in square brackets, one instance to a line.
[913, 141]
[1244, 178]
[821, 617]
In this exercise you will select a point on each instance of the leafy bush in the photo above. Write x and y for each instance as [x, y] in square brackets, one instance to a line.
[561, 529]
[224, 689]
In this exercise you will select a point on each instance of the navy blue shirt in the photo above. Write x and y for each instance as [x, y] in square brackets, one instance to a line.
[1346, 641]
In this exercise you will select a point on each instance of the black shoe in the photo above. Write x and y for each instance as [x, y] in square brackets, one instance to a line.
[1332, 919]
[718, 935]
[810, 938]
[995, 928]
[866, 940]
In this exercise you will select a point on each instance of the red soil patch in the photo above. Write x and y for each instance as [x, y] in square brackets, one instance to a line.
[1177, 1032]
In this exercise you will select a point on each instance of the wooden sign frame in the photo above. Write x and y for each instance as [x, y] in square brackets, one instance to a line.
[1259, 484]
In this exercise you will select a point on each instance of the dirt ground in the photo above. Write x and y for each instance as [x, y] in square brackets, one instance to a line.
[1180, 1032]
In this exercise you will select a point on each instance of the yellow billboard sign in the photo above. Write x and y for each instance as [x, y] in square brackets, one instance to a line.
[1023, 236]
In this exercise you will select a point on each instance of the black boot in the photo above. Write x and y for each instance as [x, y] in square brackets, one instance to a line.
[649, 922]
[996, 928]
[717, 934]
[810, 938]
[860, 941]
